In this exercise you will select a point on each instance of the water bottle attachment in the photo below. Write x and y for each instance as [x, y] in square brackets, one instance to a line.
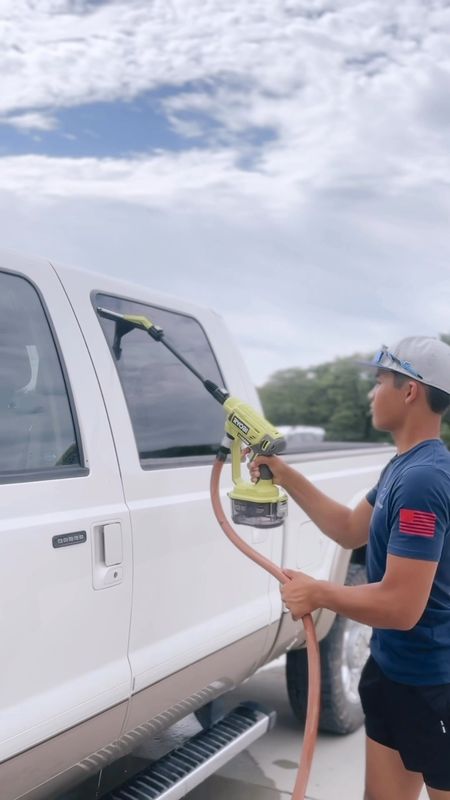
[261, 504]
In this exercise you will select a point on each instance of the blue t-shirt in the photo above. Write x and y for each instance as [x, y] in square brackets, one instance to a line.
[411, 518]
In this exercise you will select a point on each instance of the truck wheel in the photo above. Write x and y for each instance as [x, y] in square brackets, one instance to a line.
[343, 653]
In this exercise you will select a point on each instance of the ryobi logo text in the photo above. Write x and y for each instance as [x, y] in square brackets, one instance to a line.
[239, 424]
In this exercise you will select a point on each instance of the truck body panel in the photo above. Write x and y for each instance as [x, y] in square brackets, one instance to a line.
[124, 605]
[62, 662]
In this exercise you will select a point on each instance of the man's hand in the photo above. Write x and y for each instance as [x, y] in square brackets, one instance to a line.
[397, 601]
[299, 593]
[349, 527]
[280, 470]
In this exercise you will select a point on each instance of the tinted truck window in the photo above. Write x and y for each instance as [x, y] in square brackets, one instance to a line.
[172, 414]
[37, 431]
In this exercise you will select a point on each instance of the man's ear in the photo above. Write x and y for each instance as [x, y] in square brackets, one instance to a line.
[413, 392]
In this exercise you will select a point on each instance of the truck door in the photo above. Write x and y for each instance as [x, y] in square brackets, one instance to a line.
[193, 592]
[64, 530]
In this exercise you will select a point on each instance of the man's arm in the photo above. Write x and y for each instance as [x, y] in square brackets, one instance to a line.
[346, 526]
[397, 602]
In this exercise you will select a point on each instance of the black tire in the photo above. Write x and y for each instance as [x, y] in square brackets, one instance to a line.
[343, 653]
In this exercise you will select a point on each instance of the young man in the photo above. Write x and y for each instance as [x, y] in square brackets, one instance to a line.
[405, 521]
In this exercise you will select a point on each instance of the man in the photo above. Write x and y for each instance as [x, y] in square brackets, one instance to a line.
[405, 521]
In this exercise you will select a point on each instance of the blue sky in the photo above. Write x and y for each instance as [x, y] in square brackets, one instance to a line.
[299, 145]
[116, 129]
[122, 128]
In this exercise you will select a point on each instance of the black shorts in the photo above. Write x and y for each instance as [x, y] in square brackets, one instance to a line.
[415, 720]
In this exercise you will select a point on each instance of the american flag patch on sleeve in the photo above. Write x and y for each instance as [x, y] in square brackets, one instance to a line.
[417, 523]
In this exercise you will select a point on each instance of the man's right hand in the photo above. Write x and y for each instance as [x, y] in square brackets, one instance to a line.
[349, 527]
[277, 466]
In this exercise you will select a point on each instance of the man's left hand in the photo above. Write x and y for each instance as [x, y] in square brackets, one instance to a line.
[299, 593]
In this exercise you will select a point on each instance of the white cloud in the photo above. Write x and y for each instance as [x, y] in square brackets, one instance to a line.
[33, 121]
[337, 232]
[339, 275]
[352, 95]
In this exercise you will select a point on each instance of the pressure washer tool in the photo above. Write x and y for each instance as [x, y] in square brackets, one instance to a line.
[261, 505]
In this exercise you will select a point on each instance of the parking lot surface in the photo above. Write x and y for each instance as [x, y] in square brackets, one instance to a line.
[267, 770]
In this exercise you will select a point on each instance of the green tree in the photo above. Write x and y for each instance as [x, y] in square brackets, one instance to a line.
[333, 395]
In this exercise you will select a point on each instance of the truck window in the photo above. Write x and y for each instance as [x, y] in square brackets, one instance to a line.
[171, 413]
[37, 431]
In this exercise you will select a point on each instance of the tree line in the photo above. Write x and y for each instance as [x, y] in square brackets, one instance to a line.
[333, 395]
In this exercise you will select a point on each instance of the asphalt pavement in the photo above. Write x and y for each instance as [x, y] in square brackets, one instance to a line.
[267, 770]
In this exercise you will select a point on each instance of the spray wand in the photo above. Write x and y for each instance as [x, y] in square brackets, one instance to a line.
[260, 505]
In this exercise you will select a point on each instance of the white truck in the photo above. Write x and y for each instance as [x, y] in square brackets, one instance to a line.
[124, 608]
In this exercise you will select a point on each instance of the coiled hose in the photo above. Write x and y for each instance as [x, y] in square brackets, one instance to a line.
[312, 716]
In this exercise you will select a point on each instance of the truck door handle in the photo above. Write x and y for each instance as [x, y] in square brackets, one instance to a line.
[112, 542]
[107, 555]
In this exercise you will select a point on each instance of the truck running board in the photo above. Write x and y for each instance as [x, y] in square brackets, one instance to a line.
[177, 773]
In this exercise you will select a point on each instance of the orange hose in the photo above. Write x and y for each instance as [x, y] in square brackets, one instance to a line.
[312, 716]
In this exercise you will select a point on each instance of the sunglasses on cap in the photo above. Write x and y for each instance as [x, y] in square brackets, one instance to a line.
[382, 354]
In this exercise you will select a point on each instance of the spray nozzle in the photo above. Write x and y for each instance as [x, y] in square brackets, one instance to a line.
[124, 323]
[262, 505]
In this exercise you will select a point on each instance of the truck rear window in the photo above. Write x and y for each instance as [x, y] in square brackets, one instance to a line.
[171, 413]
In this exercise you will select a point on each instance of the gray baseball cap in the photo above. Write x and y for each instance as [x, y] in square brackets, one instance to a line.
[422, 358]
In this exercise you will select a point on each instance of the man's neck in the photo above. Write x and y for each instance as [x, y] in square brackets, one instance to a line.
[406, 439]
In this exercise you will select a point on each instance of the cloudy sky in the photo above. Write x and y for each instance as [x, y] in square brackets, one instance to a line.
[286, 162]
